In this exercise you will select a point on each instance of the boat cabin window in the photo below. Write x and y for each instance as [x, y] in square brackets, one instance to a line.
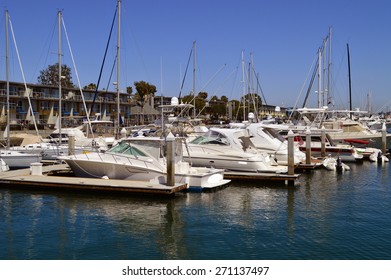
[57, 135]
[125, 148]
[211, 137]
[273, 133]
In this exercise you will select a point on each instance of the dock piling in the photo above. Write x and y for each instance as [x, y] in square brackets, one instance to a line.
[384, 139]
[71, 144]
[308, 146]
[170, 161]
[291, 162]
[323, 142]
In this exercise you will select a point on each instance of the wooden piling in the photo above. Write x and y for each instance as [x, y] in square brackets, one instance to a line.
[170, 181]
[291, 150]
[323, 143]
[384, 139]
[308, 146]
[71, 144]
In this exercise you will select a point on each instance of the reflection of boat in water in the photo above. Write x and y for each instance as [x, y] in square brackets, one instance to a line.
[143, 159]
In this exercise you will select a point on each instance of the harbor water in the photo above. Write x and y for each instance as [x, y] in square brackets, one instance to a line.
[326, 215]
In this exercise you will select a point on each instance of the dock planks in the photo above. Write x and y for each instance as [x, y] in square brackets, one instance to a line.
[22, 178]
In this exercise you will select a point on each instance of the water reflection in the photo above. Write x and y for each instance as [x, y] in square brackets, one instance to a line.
[329, 215]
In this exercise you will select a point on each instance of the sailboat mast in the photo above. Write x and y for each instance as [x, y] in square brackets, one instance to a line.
[118, 68]
[59, 79]
[329, 69]
[243, 88]
[7, 78]
[319, 77]
[350, 82]
[194, 79]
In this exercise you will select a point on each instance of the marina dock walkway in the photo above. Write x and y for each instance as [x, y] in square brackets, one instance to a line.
[51, 178]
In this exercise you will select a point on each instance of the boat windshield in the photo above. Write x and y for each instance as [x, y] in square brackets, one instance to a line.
[211, 137]
[273, 133]
[125, 148]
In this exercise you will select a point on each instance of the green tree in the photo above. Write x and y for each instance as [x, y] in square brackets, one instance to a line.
[202, 95]
[49, 76]
[224, 98]
[143, 91]
[91, 86]
[129, 90]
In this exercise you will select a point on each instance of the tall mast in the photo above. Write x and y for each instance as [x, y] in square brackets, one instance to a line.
[350, 82]
[319, 77]
[118, 68]
[194, 78]
[329, 69]
[7, 78]
[243, 88]
[59, 78]
[325, 68]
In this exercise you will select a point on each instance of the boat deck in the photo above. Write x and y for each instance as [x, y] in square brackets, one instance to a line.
[252, 176]
[58, 177]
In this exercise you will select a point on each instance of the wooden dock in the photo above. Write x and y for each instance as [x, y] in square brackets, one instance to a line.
[253, 176]
[51, 178]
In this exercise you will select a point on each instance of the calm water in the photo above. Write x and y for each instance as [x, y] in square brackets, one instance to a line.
[329, 216]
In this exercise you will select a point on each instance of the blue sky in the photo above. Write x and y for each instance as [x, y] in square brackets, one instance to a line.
[157, 36]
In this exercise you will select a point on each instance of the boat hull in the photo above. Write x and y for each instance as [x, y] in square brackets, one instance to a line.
[115, 167]
[16, 160]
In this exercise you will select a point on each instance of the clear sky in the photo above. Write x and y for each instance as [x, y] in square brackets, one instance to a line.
[157, 36]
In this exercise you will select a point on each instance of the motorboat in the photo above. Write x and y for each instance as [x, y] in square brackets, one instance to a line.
[374, 154]
[267, 139]
[49, 151]
[230, 149]
[335, 164]
[17, 160]
[81, 140]
[143, 159]
[351, 130]
[346, 152]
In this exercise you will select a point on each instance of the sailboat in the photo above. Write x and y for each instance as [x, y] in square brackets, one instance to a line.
[142, 159]
[353, 131]
[57, 142]
[14, 159]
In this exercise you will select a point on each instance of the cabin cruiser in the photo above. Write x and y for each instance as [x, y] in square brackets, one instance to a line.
[143, 159]
[230, 149]
[17, 160]
[81, 139]
[49, 151]
[56, 144]
[267, 139]
[346, 152]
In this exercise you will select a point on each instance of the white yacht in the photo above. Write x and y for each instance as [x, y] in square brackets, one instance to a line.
[267, 139]
[346, 152]
[16, 159]
[143, 159]
[81, 140]
[49, 151]
[230, 149]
